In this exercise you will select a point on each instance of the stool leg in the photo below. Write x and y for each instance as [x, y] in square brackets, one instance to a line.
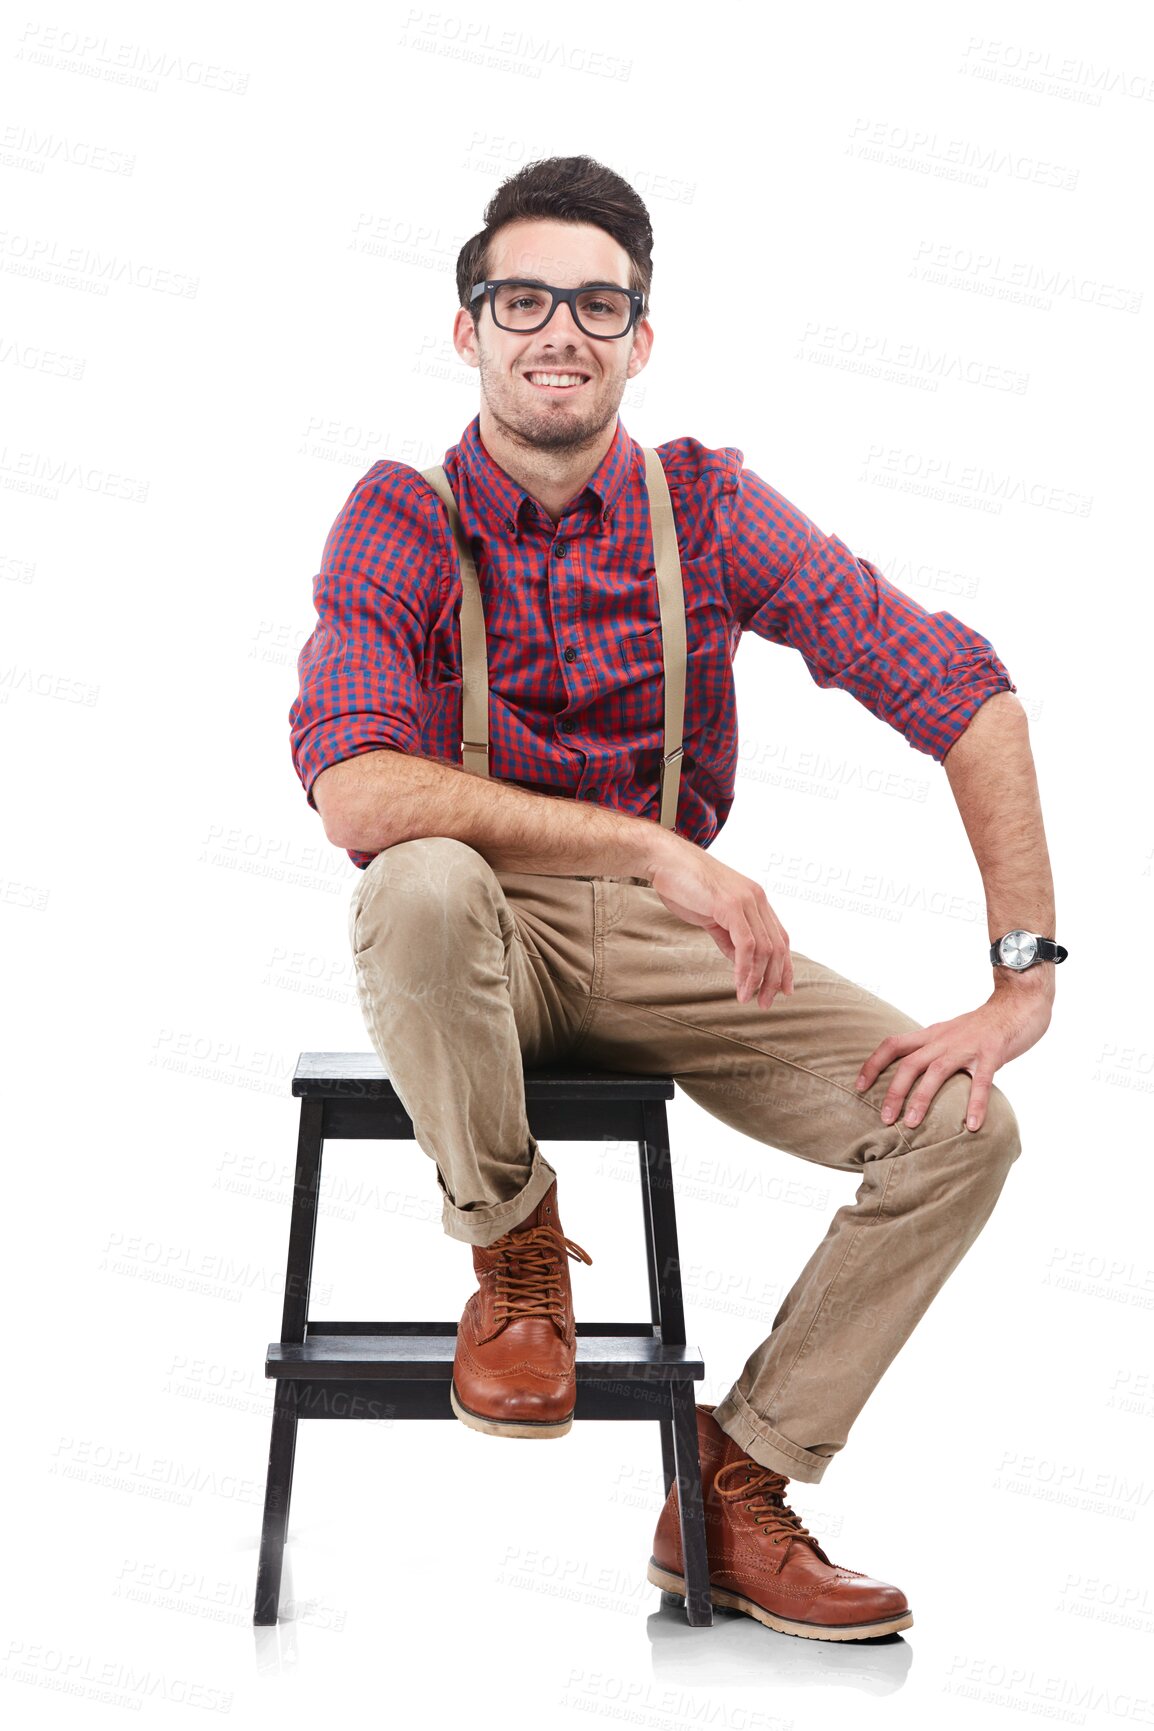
[668, 1458]
[294, 1325]
[661, 1224]
[698, 1602]
[651, 1264]
[303, 1222]
[278, 1493]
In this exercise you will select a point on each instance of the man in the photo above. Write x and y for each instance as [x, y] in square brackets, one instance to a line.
[544, 913]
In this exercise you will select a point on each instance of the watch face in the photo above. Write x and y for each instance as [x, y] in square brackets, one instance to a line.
[1018, 949]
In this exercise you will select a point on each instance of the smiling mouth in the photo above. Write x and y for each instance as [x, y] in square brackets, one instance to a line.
[543, 382]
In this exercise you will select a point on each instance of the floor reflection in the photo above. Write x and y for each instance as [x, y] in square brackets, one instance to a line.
[739, 1649]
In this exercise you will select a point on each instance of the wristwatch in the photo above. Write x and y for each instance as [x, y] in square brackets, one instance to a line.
[1020, 950]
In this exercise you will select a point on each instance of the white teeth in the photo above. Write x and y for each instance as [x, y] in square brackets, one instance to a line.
[555, 378]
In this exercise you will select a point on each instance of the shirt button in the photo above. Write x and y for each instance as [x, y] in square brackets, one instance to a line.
[560, 548]
[570, 653]
[565, 726]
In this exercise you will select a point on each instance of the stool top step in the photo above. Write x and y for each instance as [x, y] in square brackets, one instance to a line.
[323, 1075]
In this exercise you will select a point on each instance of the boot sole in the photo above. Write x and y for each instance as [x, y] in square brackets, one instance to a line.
[509, 1427]
[812, 1631]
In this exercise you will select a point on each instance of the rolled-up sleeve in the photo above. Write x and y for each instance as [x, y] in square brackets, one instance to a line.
[377, 593]
[926, 674]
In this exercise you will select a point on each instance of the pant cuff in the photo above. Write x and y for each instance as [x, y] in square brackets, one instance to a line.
[482, 1225]
[764, 1444]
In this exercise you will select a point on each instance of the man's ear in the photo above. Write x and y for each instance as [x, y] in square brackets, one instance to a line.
[642, 348]
[465, 337]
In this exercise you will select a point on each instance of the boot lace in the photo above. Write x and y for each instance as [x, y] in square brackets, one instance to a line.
[529, 1273]
[761, 1490]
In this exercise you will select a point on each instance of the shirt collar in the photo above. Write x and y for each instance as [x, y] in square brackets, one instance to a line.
[500, 503]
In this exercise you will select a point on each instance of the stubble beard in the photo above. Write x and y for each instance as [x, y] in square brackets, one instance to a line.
[542, 428]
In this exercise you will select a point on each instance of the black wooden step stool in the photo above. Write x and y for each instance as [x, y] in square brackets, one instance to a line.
[625, 1370]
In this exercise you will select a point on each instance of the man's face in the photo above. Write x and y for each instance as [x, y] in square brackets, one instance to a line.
[566, 255]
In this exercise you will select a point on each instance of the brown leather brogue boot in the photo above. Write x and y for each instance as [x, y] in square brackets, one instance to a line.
[513, 1370]
[762, 1560]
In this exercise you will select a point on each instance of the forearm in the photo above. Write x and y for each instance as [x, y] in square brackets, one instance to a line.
[991, 773]
[379, 798]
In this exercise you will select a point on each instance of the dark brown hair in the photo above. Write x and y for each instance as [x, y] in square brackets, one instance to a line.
[563, 189]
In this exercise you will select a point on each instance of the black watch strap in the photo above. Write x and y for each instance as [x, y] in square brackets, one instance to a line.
[1048, 951]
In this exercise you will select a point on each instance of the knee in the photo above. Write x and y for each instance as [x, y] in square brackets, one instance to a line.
[417, 887]
[996, 1144]
[1000, 1126]
[965, 1169]
[427, 864]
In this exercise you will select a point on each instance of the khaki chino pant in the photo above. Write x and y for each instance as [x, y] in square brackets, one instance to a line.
[466, 975]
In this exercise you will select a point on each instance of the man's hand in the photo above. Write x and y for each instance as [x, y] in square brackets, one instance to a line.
[1008, 1023]
[733, 910]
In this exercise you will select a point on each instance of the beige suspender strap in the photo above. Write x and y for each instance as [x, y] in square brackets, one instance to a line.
[671, 600]
[474, 655]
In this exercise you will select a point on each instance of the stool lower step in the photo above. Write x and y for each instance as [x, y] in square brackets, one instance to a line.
[388, 1398]
[423, 1352]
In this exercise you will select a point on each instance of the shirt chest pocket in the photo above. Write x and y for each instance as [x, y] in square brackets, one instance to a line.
[639, 655]
[711, 639]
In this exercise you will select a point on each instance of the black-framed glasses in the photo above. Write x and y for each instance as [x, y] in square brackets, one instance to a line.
[598, 309]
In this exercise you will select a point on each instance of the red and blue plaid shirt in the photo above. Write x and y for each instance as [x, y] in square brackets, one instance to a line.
[573, 628]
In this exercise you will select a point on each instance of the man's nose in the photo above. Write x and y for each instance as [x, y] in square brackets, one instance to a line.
[563, 325]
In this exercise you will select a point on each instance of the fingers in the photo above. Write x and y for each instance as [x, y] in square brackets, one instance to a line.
[775, 979]
[891, 1047]
[736, 915]
[764, 965]
[904, 1078]
[918, 1103]
[979, 1100]
[723, 941]
[747, 941]
[917, 1079]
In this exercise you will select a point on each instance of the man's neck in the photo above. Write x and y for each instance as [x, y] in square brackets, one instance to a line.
[553, 478]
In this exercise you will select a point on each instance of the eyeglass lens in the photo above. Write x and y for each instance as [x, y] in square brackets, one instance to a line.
[522, 307]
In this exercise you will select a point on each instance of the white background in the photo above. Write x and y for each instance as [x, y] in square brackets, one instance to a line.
[227, 267]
